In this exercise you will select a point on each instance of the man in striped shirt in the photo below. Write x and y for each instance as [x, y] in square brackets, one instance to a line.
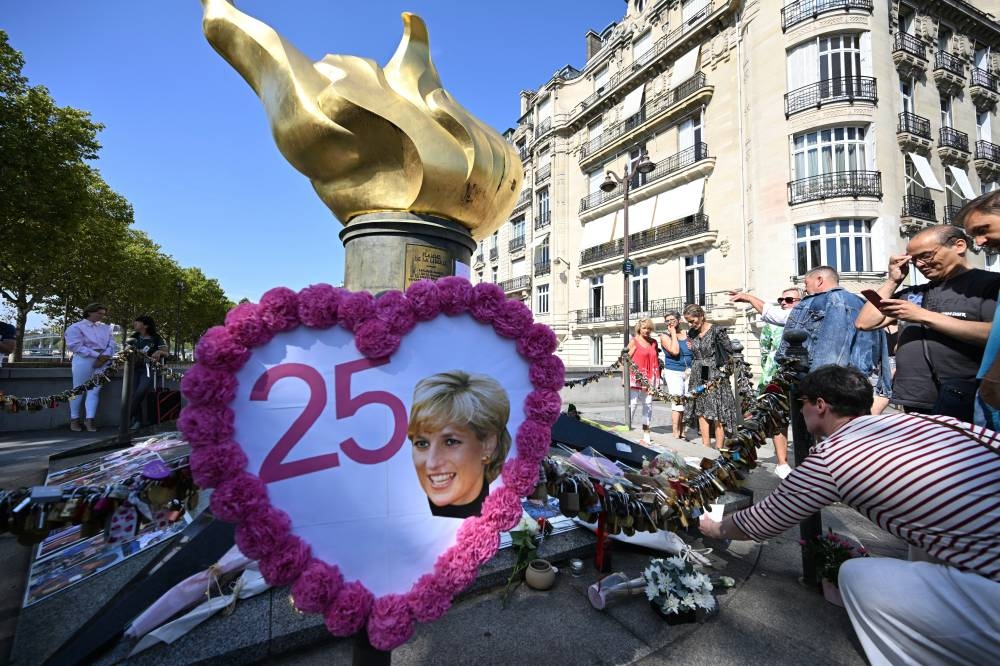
[930, 480]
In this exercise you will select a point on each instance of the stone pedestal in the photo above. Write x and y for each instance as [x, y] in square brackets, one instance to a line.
[390, 250]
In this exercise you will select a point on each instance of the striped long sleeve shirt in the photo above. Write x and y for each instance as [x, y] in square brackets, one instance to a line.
[936, 487]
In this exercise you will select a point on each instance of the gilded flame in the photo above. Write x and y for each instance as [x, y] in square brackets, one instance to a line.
[370, 138]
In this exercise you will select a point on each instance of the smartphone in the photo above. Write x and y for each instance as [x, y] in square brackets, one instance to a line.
[872, 297]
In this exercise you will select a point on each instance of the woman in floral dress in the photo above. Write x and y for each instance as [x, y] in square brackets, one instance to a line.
[710, 349]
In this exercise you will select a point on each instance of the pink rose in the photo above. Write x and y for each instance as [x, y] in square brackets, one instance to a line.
[428, 600]
[521, 476]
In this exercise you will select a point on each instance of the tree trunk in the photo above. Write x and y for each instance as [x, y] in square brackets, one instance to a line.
[23, 306]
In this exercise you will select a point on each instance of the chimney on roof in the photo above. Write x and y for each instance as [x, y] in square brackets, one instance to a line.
[594, 44]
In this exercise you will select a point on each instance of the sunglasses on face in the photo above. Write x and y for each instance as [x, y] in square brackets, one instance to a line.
[788, 299]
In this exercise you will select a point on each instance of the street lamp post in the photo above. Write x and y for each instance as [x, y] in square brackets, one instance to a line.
[611, 181]
[177, 319]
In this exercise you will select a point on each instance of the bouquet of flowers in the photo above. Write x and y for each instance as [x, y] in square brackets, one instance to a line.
[525, 548]
[675, 586]
[829, 551]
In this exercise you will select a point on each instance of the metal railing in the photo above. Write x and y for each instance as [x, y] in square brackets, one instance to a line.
[523, 200]
[664, 167]
[543, 127]
[543, 173]
[803, 10]
[648, 110]
[840, 89]
[661, 235]
[949, 63]
[516, 243]
[524, 154]
[654, 309]
[543, 219]
[914, 124]
[980, 77]
[543, 267]
[950, 213]
[494, 253]
[952, 138]
[516, 284]
[909, 44]
[837, 184]
[988, 151]
[914, 206]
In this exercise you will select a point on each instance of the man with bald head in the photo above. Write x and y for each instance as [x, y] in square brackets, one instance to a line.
[943, 324]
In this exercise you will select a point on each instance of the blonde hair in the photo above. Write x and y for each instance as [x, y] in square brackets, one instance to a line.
[647, 320]
[460, 397]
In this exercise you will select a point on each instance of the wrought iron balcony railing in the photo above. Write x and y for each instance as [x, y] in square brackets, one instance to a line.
[543, 268]
[661, 235]
[523, 200]
[803, 10]
[654, 309]
[909, 44]
[950, 137]
[980, 77]
[676, 162]
[543, 127]
[837, 184]
[841, 89]
[951, 213]
[988, 151]
[516, 284]
[949, 63]
[914, 124]
[524, 154]
[516, 243]
[543, 173]
[494, 253]
[914, 206]
[543, 219]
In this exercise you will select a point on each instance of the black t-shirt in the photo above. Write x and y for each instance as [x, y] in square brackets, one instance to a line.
[971, 296]
[147, 344]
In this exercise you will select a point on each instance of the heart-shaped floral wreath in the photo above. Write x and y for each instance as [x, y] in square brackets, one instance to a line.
[265, 533]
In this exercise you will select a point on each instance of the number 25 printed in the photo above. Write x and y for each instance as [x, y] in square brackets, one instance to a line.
[274, 467]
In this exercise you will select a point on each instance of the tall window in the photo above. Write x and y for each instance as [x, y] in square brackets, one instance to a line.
[839, 56]
[830, 58]
[829, 151]
[689, 132]
[906, 19]
[952, 194]
[642, 48]
[639, 299]
[494, 239]
[493, 277]
[543, 203]
[946, 111]
[479, 277]
[634, 156]
[596, 296]
[692, 10]
[983, 130]
[906, 95]
[594, 129]
[914, 184]
[694, 279]
[517, 228]
[844, 244]
[542, 299]
[542, 253]
[594, 180]
[601, 77]
[597, 350]
[944, 38]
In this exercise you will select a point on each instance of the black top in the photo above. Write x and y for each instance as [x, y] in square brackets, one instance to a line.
[473, 508]
[147, 344]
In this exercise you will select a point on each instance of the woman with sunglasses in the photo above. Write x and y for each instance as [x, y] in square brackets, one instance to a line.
[770, 340]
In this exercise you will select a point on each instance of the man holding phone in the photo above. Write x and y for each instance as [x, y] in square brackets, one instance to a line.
[943, 324]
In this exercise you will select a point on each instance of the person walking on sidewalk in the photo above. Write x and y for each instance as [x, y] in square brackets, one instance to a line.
[935, 487]
[644, 352]
[676, 368]
[93, 345]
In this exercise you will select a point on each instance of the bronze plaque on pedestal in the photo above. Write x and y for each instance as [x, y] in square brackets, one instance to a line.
[426, 261]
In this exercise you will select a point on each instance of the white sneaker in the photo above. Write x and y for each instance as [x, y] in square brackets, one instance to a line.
[647, 439]
[782, 471]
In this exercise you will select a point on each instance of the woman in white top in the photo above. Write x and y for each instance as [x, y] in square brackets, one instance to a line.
[92, 345]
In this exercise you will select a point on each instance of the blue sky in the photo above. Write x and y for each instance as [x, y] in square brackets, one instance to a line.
[187, 142]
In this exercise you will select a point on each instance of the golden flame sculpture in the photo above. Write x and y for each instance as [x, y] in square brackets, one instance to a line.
[373, 139]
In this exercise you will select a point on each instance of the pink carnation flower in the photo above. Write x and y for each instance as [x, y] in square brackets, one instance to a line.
[263, 531]
[394, 309]
[547, 372]
[428, 599]
[347, 614]
[520, 475]
[283, 565]
[537, 342]
[245, 323]
[206, 425]
[280, 309]
[390, 623]
[456, 569]
[218, 349]
[207, 386]
[355, 308]
[318, 304]
[211, 465]
[455, 293]
[486, 302]
[533, 440]
[513, 319]
[238, 497]
[502, 509]
[479, 539]
[543, 405]
[376, 339]
[423, 296]
[317, 587]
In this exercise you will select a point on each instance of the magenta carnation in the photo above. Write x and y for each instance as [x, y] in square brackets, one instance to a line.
[513, 319]
[318, 304]
[390, 623]
[486, 302]
[423, 296]
[207, 386]
[283, 565]
[355, 308]
[346, 615]
[393, 308]
[428, 600]
[317, 587]
[547, 372]
[279, 309]
[245, 323]
[543, 405]
[520, 475]
[456, 569]
[206, 425]
[218, 349]
[376, 339]
[502, 509]
[238, 496]
[263, 531]
[211, 465]
[538, 341]
[455, 293]
[479, 539]
[533, 440]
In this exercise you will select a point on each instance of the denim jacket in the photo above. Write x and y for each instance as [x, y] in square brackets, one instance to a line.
[828, 319]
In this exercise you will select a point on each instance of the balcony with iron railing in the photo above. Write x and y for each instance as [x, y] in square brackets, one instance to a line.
[516, 243]
[676, 162]
[920, 207]
[848, 89]
[853, 184]
[543, 268]
[644, 240]
[543, 219]
[988, 151]
[984, 88]
[543, 173]
[948, 62]
[804, 10]
[949, 137]
[543, 127]
[984, 79]
[987, 161]
[909, 44]
[515, 284]
[524, 154]
[654, 309]
[909, 54]
[949, 73]
[951, 214]
[522, 201]
[913, 132]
